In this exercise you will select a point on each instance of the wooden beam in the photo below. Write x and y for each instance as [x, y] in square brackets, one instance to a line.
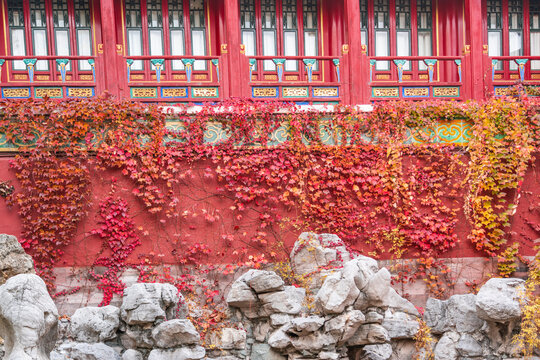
[355, 82]
[237, 80]
[110, 62]
[477, 60]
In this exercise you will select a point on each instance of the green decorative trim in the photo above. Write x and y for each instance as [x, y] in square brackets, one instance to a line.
[336, 62]
[2, 61]
[279, 61]
[29, 61]
[62, 61]
[157, 62]
[430, 62]
[215, 62]
[187, 61]
[130, 61]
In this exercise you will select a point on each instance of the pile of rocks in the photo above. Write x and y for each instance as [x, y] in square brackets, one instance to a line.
[477, 326]
[346, 309]
[150, 324]
[353, 306]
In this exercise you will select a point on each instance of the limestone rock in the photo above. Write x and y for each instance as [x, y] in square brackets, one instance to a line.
[312, 251]
[435, 315]
[312, 342]
[305, 325]
[288, 301]
[240, 295]
[378, 287]
[396, 302]
[279, 319]
[279, 339]
[461, 310]
[183, 353]
[95, 324]
[231, 339]
[498, 300]
[457, 313]
[467, 346]
[28, 318]
[343, 326]
[377, 352]
[262, 281]
[131, 354]
[137, 337]
[369, 334]
[360, 269]
[174, 333]
[446, 347]
[84, 351]
[264, 352]
[145, 303]
[400, 325]
[13, 259]
[336, 293]
[261, 331]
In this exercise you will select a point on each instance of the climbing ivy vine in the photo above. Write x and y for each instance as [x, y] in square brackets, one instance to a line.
[370, 186]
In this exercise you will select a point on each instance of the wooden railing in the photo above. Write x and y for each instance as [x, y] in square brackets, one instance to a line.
[415, 77]
[296, 78]
[64, 76]
[508, 70]
[170, 78]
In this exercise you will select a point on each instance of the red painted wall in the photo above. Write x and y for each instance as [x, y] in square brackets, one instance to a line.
[200, 195]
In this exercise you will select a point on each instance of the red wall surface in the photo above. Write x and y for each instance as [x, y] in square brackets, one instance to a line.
[214, 218]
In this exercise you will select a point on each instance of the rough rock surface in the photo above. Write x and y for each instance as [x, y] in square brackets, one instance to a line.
[184, 353]
[95, 324]
[84, 351]
[13, 259]
[28, 318]
[175, 333]
[145, 303]
[498, 300]
[346, 306]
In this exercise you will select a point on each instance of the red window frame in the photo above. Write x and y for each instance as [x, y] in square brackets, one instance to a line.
[299, 72]
[52, 70]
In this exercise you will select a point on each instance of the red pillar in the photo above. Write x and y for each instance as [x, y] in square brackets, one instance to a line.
[238, 66]
[474, 37]
[109, 60]
[355, 81]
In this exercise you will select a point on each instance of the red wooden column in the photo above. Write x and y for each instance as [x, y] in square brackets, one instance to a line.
[108, 57]
[474, 77]
[238, 65]
[355, 80]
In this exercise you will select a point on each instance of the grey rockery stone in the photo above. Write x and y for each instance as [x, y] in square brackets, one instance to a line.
[241, 295]
[95, 324]
[131, 354]
[262, 281]
[457, 313]
[183, 353]
[337, 292]
[176, 332]
[305, 325]
[261, 351]
[145, 303]
[13, 259]
[28, 318]
[288, 301]
[400, 325]
[498, 299]
[231, 339]
[313, 251]
[446, 347]
[377, 352]
[467, 346]
[84, 351]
